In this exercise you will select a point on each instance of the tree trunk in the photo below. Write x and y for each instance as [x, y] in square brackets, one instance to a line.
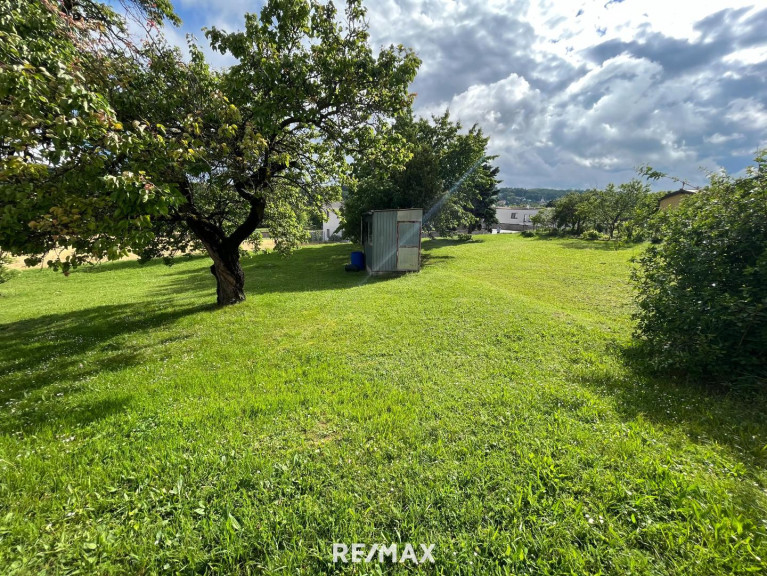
[224, 250]
[230, 279]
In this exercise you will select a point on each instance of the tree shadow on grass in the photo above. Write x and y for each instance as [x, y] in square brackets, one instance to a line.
[45, 358]
[127, 264]
[437, 243]
[313, 268]
[575, 243]
[429, 259]
[707, 414]
[56, 354]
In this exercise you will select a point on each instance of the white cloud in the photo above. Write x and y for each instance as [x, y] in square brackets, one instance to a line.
[748, 113]
[577, 93]
[718, 138]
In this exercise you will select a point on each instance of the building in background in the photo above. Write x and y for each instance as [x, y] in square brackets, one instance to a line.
[672, 199]
[330, 227]
[516, 218]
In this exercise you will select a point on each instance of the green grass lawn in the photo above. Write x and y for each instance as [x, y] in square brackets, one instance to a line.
[483, 405]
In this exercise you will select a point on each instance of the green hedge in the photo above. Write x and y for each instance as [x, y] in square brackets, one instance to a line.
[702, 291]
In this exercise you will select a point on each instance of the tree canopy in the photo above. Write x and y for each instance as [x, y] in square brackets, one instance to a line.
[702, 291]
[448, 174]
[626, 209]
[59, 135]
[153, 154]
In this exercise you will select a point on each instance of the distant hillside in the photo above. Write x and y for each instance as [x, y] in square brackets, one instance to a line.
[533, 196]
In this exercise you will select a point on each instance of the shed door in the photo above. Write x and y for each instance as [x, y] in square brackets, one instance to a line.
[408, 245]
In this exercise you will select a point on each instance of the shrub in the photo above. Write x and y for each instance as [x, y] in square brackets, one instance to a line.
[528, 233]
[702, 291]
[464, 237]
[5, 272]
[591, 235]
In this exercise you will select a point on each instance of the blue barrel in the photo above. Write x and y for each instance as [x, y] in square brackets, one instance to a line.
[358, 260]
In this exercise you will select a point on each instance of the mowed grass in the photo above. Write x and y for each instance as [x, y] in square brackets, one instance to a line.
[483, 405]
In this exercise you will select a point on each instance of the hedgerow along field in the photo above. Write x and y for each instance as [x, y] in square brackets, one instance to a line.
[484, 405]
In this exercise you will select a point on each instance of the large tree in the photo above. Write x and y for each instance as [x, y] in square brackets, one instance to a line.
[448, 174]
[214, 155]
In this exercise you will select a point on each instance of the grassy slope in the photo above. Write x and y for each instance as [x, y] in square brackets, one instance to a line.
[480, 405]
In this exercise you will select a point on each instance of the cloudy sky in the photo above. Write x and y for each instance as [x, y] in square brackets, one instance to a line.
[578, 93]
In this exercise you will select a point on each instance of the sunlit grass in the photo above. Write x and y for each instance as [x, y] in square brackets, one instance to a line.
[482, 404]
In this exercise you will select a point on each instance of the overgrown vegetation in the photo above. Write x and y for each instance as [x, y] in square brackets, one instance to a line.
[703, 289]
[480, 405]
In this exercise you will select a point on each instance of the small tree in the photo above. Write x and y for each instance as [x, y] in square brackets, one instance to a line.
[5, 272]
[616, 204]
[543, 218]
[483, 197]
[568, 213]
[702, 292]
[641, 223]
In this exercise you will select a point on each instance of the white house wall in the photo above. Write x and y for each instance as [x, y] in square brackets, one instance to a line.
[330, 227]
[515, 218]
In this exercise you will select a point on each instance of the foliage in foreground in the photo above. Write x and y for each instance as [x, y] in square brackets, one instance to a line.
[702, 292]
[479, 405]
[60, 135]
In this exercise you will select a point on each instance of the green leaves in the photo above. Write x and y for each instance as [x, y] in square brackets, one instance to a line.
[63, 185]
[438, 168]
[702, 292]
[626, 209]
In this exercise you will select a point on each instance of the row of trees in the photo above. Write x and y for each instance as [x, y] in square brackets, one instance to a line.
[625, 210]
[110, 145]
[534, 196]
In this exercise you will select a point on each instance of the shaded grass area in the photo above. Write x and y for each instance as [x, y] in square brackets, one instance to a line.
[482, 405]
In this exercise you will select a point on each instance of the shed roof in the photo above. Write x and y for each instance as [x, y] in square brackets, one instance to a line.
[393, 210]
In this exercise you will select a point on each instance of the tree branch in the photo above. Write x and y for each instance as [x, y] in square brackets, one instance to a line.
[254, 219]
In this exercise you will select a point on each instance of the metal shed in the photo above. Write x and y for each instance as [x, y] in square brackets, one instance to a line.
[392, 240]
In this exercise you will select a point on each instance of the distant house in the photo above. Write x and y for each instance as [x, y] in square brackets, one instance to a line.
[515, 217]
[672, 199]
[330, 227]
